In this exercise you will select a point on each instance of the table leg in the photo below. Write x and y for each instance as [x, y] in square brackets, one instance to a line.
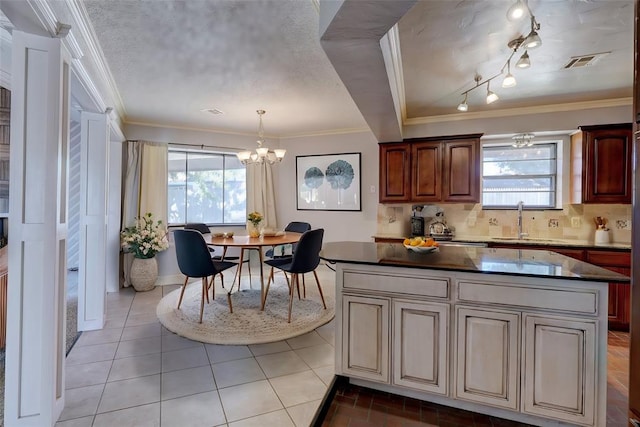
[239, 270]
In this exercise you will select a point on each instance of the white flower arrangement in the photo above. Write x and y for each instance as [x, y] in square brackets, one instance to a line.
[145, 238]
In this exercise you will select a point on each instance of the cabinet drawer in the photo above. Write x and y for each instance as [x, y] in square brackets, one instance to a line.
[609, 258]
[577, 301]
[425, 286]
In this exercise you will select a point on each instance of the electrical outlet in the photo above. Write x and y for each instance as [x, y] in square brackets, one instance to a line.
[576, 222]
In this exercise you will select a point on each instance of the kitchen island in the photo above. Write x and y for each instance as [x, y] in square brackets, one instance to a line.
[518, 334]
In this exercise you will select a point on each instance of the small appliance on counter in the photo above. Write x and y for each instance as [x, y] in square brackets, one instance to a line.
[439, 230]
[417, 222]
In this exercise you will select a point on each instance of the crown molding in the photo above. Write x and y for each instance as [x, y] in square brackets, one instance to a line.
[540, 109]
[252, 134]
[95, 54]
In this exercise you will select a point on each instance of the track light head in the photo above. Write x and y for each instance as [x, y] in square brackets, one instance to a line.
[524, 61]
[517, 10]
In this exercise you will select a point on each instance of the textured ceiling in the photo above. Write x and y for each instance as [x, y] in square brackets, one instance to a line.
[170, 59]
[445, 43]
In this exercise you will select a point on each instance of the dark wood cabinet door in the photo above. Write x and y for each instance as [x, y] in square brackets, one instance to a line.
[395, 172]
[619, 293]
[426, 171]
[571, 253]
[461, 171]
[607, 164]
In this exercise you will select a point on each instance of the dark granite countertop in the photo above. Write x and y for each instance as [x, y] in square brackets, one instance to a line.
[527, 241]
[521, 262]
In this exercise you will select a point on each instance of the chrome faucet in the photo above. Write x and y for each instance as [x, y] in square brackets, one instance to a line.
[521, 235]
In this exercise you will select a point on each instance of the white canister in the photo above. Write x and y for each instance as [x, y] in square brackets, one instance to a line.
[602, 237]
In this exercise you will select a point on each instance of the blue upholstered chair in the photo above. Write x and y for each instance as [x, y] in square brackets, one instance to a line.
[200, 227]
[305, 259]
[295, 227]
[194, 260]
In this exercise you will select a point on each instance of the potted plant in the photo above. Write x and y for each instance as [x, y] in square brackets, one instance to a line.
[255, 218]
[144, 240]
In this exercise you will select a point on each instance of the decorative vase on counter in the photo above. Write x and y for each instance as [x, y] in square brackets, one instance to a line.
[143, 274]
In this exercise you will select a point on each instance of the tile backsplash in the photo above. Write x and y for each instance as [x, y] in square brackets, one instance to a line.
[573, 222]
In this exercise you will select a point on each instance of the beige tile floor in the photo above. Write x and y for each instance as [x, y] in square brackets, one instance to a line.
[136, 373]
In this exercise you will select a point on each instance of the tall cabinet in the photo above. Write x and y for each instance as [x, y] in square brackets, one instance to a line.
[434, 169]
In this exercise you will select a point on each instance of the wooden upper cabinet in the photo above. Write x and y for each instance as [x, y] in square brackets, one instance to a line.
[462, 171]
[426, 171]
[442, 169]
[601, 160]
[395, 172]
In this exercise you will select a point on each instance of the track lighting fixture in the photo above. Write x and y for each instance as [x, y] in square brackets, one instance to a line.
[517, 10]
[524, 61]
[463, 105]
[509, 80]
[531, 41]
[491, 96]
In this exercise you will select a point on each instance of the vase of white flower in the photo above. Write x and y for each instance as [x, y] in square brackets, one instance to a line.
[144, 239]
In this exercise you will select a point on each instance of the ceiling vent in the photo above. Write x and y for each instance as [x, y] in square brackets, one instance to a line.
[585, 60]
[214, 111]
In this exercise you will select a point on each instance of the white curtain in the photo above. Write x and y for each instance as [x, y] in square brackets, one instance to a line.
[261, 194]
[145, 187]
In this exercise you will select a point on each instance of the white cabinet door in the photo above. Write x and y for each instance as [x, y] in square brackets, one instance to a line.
[559, 364]
[420, 345]
[487, 363]
[365, 337]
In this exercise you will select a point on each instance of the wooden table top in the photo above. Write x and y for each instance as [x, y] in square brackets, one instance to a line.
[246, 241]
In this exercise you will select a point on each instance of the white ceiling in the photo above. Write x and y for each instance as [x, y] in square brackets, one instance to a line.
[170, 59]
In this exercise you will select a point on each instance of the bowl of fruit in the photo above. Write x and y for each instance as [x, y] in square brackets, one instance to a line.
[420, 244]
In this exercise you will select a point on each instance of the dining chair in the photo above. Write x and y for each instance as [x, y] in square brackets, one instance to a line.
[295, 227]
[202, 228]
[305, 259]
[194, 260]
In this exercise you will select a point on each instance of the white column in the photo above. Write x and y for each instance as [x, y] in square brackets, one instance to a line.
[113, 216]
[94, 171]
[34, 391]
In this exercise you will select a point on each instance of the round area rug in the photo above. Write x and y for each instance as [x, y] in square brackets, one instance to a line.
[247, 324]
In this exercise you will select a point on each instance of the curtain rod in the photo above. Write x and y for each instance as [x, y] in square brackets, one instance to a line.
[201, 146]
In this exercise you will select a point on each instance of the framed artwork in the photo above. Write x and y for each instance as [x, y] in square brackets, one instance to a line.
[328, 182]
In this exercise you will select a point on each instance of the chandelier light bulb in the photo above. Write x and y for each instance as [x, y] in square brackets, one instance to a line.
[509, 81]
[279, 152]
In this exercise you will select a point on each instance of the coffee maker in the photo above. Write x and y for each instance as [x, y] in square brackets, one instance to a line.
[417, 221]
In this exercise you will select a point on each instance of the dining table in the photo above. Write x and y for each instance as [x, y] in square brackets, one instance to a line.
[245, 243]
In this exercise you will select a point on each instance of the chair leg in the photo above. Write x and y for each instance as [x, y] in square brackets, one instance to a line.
[184, 286]
[207, 285]
[271, 277]
[213, 288]
[304, 288]
[204, 291]
[249, 266]
[222, 280]
[319, 289]
[228, 293]
[266, 291]
[294, 280]
[298, 285]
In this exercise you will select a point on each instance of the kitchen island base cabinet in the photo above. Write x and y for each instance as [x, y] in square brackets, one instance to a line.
[366, 335]
[472, 343]
[487, 368]
[560, 369]
[420, 345]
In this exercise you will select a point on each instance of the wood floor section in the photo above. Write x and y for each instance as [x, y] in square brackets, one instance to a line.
[354, 406]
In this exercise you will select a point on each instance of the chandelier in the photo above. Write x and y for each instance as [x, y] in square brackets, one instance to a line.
[523, 140]
[262, 153]
[531, 41]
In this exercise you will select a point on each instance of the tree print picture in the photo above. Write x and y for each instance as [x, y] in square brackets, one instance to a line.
[328, 182]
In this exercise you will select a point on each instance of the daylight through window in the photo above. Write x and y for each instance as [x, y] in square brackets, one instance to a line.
[510, 175]
[206, 187]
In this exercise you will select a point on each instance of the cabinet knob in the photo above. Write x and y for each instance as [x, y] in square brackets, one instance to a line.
[634, 422]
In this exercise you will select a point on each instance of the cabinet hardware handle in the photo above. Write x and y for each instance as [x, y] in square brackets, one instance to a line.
[634, 422]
